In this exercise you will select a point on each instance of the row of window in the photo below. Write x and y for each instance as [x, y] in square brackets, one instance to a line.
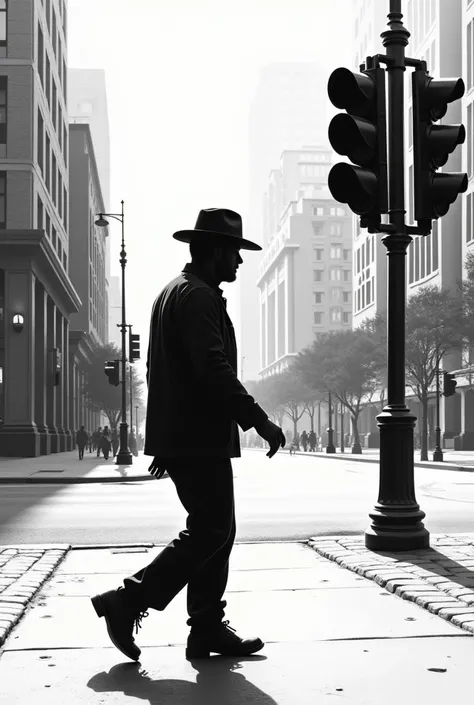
[336, 315]
[335, 252]
[50, 89]
[51, 171]
[423, 255]
[328, 210]
[421, 15]
[335, 229]
[313, 170]
[469, 218]
[44, 222]
[315, 157]
[365, 254]
[365, 295]
[470, 55]
[336, 274]
[336, 295]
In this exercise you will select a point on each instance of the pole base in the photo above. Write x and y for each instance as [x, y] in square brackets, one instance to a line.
[330, 449]
[356, 449]
[438, 455]
[125, 458]
[397, 520]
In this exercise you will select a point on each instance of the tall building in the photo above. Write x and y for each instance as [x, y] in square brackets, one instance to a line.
[287, 112]
[37, 296]
[305, 276]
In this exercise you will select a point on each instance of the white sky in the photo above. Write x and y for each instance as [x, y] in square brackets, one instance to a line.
[180, 77]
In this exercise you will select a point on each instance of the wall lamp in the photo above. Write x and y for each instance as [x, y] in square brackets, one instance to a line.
[18, 322]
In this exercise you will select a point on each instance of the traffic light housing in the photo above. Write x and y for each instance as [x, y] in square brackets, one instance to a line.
[432, 145]
[361, 135]
[449, 384]
[112, 371]
[134, 347]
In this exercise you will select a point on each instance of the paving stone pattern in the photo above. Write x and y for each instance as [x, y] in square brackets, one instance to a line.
[23, 570]
[439, 579]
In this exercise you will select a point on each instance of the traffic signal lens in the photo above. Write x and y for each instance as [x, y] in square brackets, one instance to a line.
[441, 92]
[354, 137]
[351, 91]
[354, 186]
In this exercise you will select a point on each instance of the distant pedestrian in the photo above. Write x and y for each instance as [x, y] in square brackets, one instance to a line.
[312, 441]
[304, 440]
[195, 401]
[105, 443]
[97, 436]
[115, 442]
[81, 440]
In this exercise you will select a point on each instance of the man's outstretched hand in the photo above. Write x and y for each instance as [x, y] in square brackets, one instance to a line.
[274, 436]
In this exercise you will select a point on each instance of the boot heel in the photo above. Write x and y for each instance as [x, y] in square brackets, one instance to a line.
[98, 605]
[192, 653]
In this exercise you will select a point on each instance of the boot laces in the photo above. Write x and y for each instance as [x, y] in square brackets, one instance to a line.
[138, 620]
[226, 625]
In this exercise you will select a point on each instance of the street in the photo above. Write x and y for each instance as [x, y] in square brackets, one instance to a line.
[285, 498]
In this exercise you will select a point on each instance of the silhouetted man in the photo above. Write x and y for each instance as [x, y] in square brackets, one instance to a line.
[193, 384]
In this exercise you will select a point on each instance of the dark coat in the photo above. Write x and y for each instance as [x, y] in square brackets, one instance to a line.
[195, 399]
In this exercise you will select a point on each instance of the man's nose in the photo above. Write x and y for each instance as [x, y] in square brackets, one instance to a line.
[239, 258]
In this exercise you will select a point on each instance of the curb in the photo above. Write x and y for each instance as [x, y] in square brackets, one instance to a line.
[364, 459]
[397, 572]
[71, 480]
[16, 598]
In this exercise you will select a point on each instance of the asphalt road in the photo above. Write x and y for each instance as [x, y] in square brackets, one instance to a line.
[285, 498]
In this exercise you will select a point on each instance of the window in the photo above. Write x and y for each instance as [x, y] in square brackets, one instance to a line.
[39, 214]
[317, 210]
[335, 252]
[435, 245]
[48, 225]
[60, 194]
[317, 227]
[65, 144]
[336, 315]
[40, 58]
[60, 250]
[346, 297]
[3, 197]
[54, 238]
[346, 275]
[54, 107]
[336, 294]
[346, 254]
[65, 261]
[340, 211]
[48, 80]
[318, 297]
[48, 13]
[65, 207]
[346, 317]
[317, 275]
[54, 35]
[469, 56]
[335, 274]
[40, 144]
[335, 229]
[318, 253]
[318, 317]
[55, 177]
[3, 109]
[48, 161]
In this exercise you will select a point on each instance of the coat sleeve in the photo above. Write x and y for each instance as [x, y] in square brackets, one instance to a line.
[201, 336]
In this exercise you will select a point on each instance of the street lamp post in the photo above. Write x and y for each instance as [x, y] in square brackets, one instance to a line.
[342, 428]
[330, 446]
[438, 453]
[136, 419]
[124, 456]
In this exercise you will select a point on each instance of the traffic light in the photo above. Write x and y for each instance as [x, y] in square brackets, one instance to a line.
[361, 135]
[56, 358]
[134, 347]
[432, 145]
[449, 384]
[112, 372]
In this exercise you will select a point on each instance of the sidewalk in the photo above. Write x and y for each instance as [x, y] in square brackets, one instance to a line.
[329, 631]
[67, 468]
[462, 460]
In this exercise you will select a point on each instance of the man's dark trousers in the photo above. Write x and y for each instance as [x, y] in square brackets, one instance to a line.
[199, 557]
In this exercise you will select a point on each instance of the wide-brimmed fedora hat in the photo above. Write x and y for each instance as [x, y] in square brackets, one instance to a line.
[220, 223]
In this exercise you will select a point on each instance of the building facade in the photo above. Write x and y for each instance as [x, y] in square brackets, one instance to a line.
[287, 112]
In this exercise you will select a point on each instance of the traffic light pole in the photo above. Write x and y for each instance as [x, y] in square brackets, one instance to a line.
[438, 453]
[396, 518]
[124, 456]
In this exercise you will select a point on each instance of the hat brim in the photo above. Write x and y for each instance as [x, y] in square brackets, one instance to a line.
[188, 235]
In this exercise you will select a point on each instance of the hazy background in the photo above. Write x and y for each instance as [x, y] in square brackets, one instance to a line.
[180, 78]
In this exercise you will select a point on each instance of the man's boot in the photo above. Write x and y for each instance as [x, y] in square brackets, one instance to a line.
[120, 618]
[220, 640]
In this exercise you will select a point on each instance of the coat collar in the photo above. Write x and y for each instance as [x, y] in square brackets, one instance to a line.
[191, 268]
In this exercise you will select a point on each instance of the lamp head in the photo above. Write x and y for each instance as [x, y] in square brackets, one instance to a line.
[101, 221]
[18, 322]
